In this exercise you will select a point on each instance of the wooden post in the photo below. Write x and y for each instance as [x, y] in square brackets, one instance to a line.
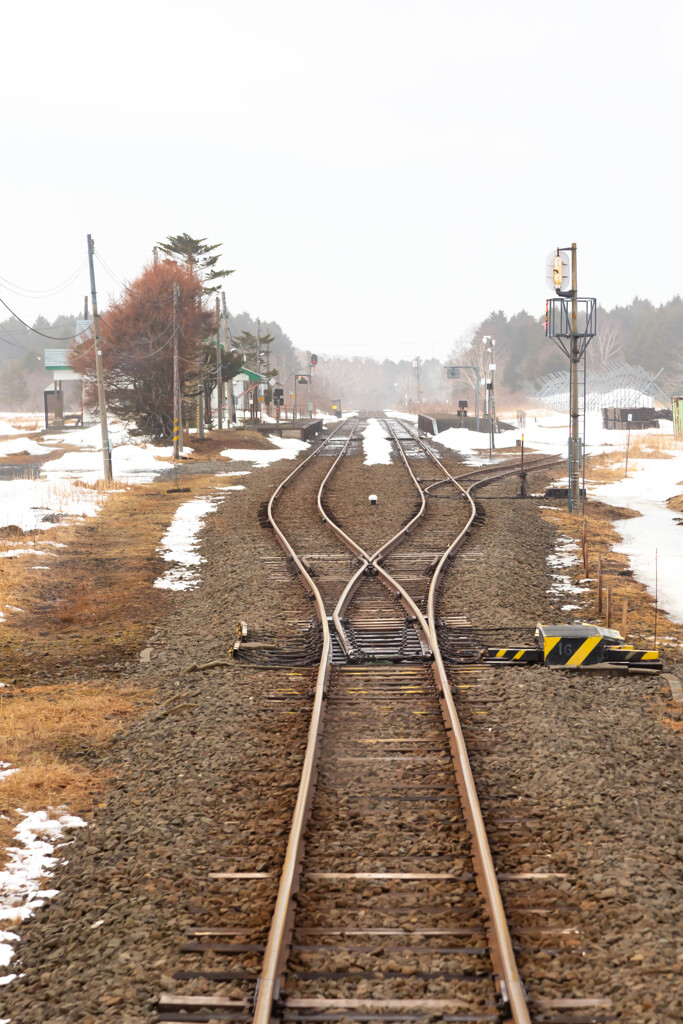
[584, 549]
[599, 584]
[608, 591]
[624, 615]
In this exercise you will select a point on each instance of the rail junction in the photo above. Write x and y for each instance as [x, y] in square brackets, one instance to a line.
[389, 905]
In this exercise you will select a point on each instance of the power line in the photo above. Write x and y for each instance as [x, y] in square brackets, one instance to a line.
[50, 337]
[15, 345]
[44, 292]
[110, 271]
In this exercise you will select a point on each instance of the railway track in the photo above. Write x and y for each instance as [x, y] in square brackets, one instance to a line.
[388, 905]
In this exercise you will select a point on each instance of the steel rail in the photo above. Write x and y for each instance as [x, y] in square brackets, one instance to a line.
[502, 470]
[502, 953]
[501, 949]
[500, 942]
[281, 920]
[371, 560]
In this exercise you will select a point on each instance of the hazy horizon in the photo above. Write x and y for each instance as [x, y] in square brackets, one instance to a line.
[382, 175]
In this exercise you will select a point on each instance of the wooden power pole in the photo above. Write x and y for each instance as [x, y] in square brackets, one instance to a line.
[219, 365]
[176, 374]
[226, 347]
[106, 446]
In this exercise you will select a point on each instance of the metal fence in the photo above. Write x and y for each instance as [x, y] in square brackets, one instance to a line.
[619, 384]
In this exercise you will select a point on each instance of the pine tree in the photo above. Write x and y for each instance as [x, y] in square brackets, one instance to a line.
[200, 257]
[137, 346]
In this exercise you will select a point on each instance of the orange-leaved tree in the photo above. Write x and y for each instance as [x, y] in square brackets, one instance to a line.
[137, 346]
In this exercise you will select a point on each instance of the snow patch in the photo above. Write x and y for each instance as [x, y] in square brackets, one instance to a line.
[286, 448]
[653, 541]
[376, 445]
[28, 864]
[180, 545]
[564, 557]
[22, 446]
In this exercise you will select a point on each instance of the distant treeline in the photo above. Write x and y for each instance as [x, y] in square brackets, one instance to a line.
[640, 333]
[22, 360]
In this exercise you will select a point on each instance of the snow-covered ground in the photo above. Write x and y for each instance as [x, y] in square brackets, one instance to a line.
[286, 448]
[180, 543]
[545, 432]
[564, 556]
[59, 492]
[29, 864]
[654, 540]
[376, 445]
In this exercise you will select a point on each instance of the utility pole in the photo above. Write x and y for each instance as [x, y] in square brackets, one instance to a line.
[575, 454]
[226, 347]
[416, 366]
[492, 370]
[176, 374]
[106, 444]
[490, 408]
[219, 365]
[571, 332]
[309, 371]
[200, 397]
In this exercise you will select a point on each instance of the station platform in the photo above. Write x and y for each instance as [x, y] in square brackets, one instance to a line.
[302, 430]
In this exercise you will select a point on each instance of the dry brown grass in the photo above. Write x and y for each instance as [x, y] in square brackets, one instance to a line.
[92, 606]
[601, 538]
[91, 612]
[50, 734]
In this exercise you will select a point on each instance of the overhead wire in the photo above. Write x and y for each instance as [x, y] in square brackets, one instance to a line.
[108, 269]
[15, 344]
[43, 292]
[50, 337]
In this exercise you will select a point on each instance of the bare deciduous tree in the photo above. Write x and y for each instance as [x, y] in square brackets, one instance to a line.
[603, 349]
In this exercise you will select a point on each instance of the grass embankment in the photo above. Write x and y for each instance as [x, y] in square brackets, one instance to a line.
[643, 615]
[70, 630]
[601, 537]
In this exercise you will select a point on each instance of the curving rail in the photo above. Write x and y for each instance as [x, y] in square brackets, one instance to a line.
[266, 991]
[500, 944]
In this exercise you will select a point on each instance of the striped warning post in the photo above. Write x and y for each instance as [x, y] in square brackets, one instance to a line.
[514, 655]
[627, 654]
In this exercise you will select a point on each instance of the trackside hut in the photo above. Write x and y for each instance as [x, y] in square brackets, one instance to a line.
[247, 388]
[57, 362]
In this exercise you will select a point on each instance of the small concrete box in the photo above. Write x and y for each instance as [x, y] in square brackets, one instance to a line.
[583, 644]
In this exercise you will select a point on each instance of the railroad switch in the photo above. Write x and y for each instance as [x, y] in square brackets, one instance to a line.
[580, 645]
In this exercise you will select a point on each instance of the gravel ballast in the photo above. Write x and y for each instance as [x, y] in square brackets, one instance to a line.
[207, 780]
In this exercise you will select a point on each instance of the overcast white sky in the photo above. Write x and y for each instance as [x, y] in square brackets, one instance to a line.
[382, 174]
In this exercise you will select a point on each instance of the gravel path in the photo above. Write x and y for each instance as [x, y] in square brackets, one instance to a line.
[207, 780]
[578, 774]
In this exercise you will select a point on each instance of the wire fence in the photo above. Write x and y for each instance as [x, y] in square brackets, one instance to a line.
[619, 384]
